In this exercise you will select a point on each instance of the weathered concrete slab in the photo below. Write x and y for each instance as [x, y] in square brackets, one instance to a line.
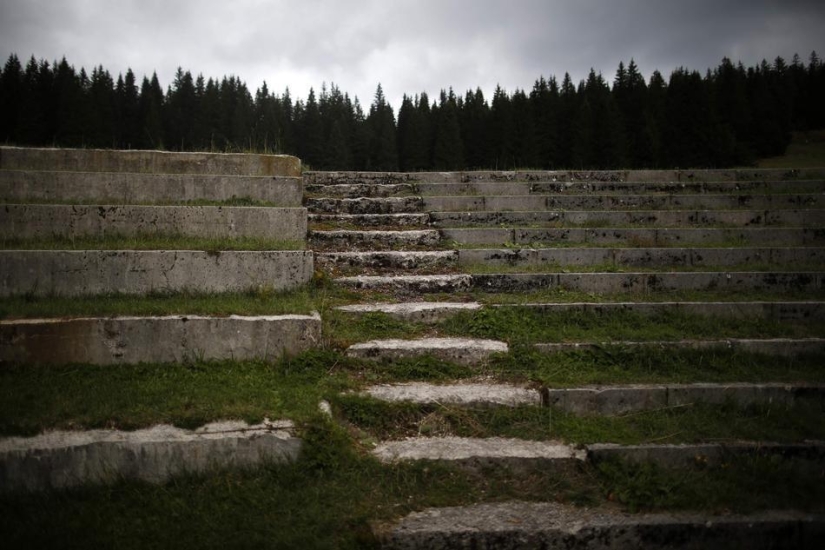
[784, 347]
[780, 311]
[59, 460]
[587, 176]
[410, 283]
[493, 449]
[465, 395]
[73, 273]
[371, 220]
[522, 526]
[616, 400]
[639, 236]
[365, 205]
[147, 162]
[345, 239]
[175, 338]
[463, 351]
[625, 218]
[354, 191]
[710, 454]
[388, 260]
[678, 188]
[610, 283]
[48, 220]
[598, 400]
[131, 188]
[418, 312]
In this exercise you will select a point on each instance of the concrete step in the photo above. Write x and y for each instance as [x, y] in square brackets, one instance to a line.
[60, 460]
[410, 284]
[490, 450]
[42, 221]
[523, 525]
[607, 283]
[142, 188]
[147, 162]
[464, 351]
[348, 221]
[622, 218]
[85, 272]
[174, 338]
[343, 240]
[601, 400]
[354, 191]
[561, 176]
[418, 312]
[364, 205]
[534, 203]
[387, 260]
[641, 257]
[785, 347]
[637, 236]
[778, 310]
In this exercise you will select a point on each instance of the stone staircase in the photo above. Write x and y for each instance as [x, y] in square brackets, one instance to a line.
[54, 197]
[729, 244]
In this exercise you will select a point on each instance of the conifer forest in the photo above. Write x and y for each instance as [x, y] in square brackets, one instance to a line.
[729, 116]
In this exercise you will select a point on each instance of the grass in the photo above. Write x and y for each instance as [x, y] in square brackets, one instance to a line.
[149, 241]
[698, 423]
[807, 150]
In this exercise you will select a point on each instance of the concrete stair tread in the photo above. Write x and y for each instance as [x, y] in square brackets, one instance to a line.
[422, 312]
[464, 448]
[552, 525]
[604, 399]
[465, 351]
[769, 346]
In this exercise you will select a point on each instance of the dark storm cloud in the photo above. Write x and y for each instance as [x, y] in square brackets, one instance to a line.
[409, 46]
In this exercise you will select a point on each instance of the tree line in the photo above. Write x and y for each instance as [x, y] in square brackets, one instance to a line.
[731, 115]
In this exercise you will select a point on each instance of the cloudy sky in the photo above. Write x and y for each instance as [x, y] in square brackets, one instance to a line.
[407, 45]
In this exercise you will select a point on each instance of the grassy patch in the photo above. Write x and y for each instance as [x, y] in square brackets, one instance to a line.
[807, 150]
[149, 241]
[688, 424]
[187, 394]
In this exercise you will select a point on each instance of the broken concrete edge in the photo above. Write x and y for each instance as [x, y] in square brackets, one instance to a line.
[148, 161]
[61, 459]
[553, 525]
[167, 339]
[466, 448]
[462, 351]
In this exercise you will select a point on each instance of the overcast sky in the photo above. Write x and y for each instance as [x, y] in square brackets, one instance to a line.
[408, 46]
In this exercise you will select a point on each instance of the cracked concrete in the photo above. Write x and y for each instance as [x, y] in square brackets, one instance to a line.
[464, 351]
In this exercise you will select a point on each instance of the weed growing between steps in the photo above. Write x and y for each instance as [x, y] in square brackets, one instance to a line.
[149, 241]
[695, 423]
[333, 493]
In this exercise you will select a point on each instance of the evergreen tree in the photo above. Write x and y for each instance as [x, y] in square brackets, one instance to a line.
[11, 99]
[474, 120]
[448, 153]
[151, 105]
[383, 153]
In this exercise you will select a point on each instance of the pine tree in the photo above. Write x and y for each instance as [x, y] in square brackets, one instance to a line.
[448, 149]
[383, 153]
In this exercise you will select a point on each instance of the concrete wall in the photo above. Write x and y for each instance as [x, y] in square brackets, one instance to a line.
[73, 273]
[41, 220]
[152, 162]
[131, 188]
[131, 340]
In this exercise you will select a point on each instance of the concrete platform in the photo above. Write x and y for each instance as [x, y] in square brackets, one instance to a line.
[147, 162]
[523, 526]
[28, 221]
[132, 188]
[60, 460]
[494, 449]
[85, 272]
[176, 338]
[474, 394]
[463, 351]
